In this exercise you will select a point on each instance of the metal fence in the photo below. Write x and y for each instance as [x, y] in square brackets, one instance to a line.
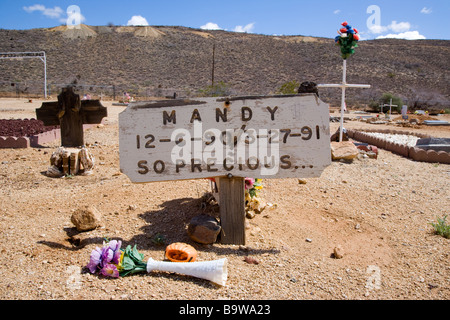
[35, 89]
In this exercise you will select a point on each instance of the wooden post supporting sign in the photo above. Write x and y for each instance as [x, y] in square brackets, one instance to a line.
[232, 210]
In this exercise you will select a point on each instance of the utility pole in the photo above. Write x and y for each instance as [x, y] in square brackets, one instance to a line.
[213, 64]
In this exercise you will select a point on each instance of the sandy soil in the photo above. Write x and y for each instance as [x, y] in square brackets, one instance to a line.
[377, 210]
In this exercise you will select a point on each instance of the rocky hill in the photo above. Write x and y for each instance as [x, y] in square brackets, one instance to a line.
[159, 61]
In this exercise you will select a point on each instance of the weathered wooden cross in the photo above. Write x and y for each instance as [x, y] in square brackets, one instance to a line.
[390, 105]
[70, 113]
[343, 86]
[228, 139]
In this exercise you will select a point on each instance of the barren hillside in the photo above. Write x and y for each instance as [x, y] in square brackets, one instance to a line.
[149, 61]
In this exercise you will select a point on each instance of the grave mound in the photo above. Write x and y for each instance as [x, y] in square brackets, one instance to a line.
[417, 147]
[23, 127]
[420, 118]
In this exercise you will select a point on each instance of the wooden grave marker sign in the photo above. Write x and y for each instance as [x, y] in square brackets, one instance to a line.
[228, 139]
[70, 113]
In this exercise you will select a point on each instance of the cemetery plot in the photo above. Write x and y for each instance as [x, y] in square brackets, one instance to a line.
[23, 127]
[418, 147]
[436, 144]
[18, 133]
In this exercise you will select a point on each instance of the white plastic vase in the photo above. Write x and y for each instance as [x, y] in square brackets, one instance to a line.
[215, 271]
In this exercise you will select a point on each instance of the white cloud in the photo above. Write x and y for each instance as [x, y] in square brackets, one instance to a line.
[394, 26]
[399, 27]
[57, 13]
[426, 10]
[54, 13]
[399, 30]
[214, 26]
[137, 21]
[408, 35]
[36, 7]
[248, 28]
[211, 26]
[377, 29]
[337, 11]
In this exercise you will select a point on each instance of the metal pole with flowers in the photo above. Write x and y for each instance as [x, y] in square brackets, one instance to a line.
[347, 40]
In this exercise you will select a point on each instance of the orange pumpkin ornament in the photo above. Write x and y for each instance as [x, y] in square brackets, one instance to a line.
[181, 252]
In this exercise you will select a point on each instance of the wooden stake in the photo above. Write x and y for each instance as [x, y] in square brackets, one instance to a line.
[75, 162]
[232, 210]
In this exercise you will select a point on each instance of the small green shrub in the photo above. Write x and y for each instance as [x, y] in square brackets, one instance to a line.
[441, 227]
[386, 99]
[391, 75]
[290, 87]
[220, 89]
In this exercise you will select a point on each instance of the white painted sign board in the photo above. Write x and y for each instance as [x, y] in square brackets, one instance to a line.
[259, 137]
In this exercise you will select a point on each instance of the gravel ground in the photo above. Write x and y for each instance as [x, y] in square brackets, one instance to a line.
[377, 210]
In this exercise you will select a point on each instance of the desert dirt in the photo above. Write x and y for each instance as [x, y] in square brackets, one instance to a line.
[377, 210]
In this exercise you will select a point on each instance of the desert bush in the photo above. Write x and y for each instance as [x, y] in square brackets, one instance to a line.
[220, 89]
[441, 227]
[290, 87]
[386, 99]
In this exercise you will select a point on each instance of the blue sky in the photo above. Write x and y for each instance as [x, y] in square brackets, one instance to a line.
[413, 19]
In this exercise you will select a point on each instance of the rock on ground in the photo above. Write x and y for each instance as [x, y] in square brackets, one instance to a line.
[86, 219]
[344, 150]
